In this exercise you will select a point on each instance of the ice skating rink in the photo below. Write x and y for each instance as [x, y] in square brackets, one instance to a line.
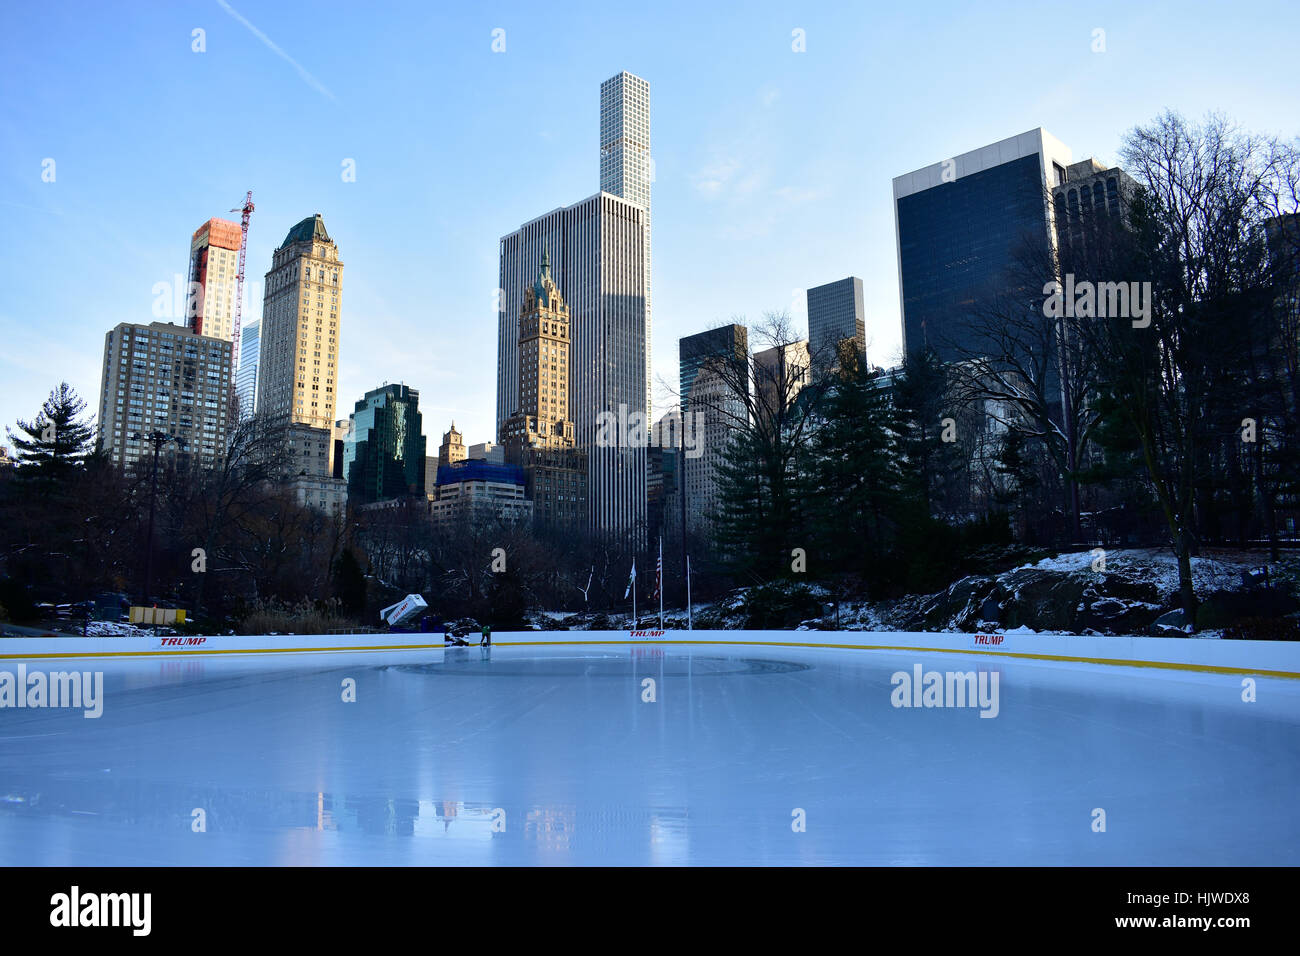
[550, 755]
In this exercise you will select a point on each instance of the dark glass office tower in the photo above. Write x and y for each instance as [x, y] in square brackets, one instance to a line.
[383, 456]
[836, 312]
[961, 225]
[695, 350]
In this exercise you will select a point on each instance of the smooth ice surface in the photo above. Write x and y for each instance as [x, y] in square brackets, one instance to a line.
[712, 772]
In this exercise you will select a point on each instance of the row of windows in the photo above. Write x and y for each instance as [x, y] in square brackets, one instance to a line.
[1082, 199]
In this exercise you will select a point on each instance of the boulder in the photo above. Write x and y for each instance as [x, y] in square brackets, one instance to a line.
[1171, 624]
[1041, 599]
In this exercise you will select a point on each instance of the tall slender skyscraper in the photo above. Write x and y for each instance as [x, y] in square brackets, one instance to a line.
[626, 167]
[300, 329]
[250, 342]
[600, 259]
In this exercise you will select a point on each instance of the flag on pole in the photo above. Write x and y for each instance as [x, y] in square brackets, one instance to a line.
[631, 580]
[659, 571]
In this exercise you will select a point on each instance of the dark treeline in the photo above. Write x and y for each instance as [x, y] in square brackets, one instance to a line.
[233, 546]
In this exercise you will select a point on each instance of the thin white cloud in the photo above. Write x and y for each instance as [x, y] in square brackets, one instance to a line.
[311, 81]
[749, 184]
[712, 179]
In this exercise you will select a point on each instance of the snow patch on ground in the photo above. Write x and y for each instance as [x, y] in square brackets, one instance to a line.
[116, 629]
[1157, 566]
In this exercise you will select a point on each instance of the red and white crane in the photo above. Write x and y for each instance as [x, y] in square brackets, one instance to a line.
[247, 211]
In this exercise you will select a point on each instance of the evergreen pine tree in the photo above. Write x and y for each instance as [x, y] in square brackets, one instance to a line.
[921, 401]
[350, 584]
[50, 449]
[737, 525]
[857, 481]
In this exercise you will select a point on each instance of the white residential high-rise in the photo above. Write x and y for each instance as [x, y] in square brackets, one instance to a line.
[597, 260]
[214, 267]
[626, 167]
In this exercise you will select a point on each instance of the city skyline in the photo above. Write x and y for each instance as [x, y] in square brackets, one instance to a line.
[731, 176]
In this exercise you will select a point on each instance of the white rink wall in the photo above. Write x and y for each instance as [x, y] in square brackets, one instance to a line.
[1269, 658]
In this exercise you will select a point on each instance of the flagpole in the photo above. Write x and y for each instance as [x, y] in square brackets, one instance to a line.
[659, 582]
[688, 593]
[634, 594]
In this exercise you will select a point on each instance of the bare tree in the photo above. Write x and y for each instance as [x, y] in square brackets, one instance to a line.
[763, 409]
[220, 496]
[1196, 235]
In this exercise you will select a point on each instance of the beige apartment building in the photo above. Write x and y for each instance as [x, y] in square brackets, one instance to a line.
[780, 374]
[543, 349]
[539, 438]
[298, 378]
[167, 379]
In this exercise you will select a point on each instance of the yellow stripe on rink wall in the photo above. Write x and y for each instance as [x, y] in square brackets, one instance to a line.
[1258, 658]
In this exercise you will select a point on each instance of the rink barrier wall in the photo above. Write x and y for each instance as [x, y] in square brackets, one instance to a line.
[1260, 658]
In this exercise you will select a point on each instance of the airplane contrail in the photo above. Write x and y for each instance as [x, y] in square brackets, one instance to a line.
[311, 80]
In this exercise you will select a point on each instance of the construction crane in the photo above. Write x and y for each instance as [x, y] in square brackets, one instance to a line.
[247, 211]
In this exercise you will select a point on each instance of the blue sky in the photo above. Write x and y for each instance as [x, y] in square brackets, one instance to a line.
[773, 167]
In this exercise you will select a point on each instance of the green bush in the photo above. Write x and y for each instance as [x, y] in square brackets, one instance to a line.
[17, 602]
[773, 606]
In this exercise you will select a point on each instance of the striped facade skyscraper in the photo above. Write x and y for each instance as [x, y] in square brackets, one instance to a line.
[250, 343]
[597, 262]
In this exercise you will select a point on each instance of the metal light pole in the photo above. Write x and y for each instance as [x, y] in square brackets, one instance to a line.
[681, 481]
[690, 626]
[157, 439]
